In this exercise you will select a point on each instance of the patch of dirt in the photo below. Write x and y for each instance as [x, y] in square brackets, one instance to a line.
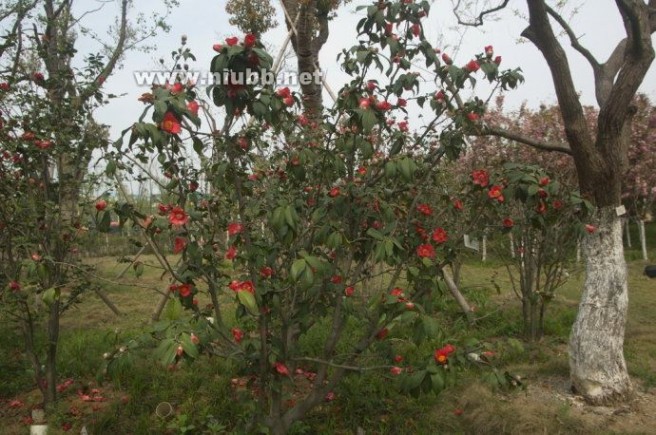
[547, 405]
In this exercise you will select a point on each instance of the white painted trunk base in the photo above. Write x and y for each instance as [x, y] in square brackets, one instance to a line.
[596, 350]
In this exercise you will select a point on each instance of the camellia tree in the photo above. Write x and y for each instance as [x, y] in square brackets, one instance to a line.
[339, 228]
[48, 135]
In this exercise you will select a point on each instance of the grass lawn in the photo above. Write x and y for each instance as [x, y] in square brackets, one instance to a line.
[203, 395]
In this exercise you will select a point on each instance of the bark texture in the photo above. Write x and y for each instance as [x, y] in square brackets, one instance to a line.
[596, 349]
[310, 33]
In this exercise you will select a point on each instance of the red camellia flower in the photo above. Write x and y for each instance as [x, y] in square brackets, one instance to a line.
[403, 125]
[401, 102]
[472, 66]
[544, 181]
[442, 355]
[250, 40]
[396, 292]
[380, 335]
[425, 209]
[364, 103]
[4, 86]
[330, 396]
[348, 291]
[590, 228]
[14, 286]
[170, 124]
[416, 29]
[398, 359]
[336, 279]
[177, 88]
[541, 208]
[283, 92]
[266, 272]
[447, 59]
[194, 338]
[496, 192]
[101, 205]
[440, 236]
[38, 77]
[489, 51]
[497, 60]
[237, 334]
[217, 47]
[508, 223]
[383, 106]
[178, 217]
[334, 192]
[235, 228]
[371, 85]
[426, 251]
[281, 368]
[184, 290]
[396, 370]
[472, 116]
[440, 96]
[232, 41]
[179, 245]
[457, 204]
[231, 253]
[193, 107]
[557, 204]
[481, 177]
[163, 209]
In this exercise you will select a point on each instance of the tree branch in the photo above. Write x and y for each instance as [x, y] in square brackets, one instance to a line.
[118, 51]
[573, 39]
[478, 21]
[526, 140]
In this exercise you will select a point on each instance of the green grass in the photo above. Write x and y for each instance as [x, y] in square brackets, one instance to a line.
[203, 397]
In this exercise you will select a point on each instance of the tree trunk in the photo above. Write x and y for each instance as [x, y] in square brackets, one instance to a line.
[484, 248]
[627, 227]
[51, 353]
[643, 239]
[460, 299]
[598, 369]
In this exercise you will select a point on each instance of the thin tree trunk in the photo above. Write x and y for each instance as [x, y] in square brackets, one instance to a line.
[643, 239]
[460, 299]
[484, 248]
[51, 353]
[512, 245]
[627, 228]
[578, 251]
[597, 366]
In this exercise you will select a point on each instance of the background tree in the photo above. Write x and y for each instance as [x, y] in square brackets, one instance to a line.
[598, 368]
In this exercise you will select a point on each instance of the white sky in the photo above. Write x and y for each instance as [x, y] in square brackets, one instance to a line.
[206, 22]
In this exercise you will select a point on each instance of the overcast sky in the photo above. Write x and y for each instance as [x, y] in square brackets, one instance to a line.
[206, 22]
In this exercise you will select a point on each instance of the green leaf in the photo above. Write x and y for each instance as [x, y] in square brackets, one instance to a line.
[50, 295]
[298, 267]
[437, 382]
[105, 222]
[190, 348]
[368, 120]
[247, 299]
[374, 233]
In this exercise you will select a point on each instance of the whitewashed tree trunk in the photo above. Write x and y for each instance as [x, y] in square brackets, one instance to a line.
[578, 251]
[627, 230]
[643, 239]
[512, 245]
[484, 248]
[596, 349]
